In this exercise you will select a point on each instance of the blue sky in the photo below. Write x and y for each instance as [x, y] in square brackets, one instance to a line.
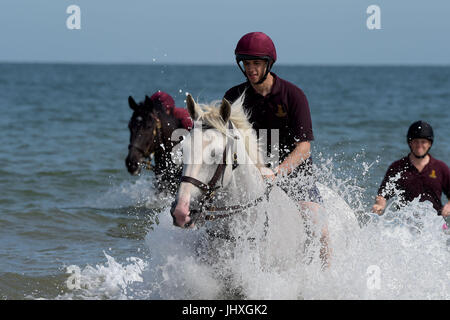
[206, 31]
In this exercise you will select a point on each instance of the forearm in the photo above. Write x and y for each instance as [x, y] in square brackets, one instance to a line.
[301, 152]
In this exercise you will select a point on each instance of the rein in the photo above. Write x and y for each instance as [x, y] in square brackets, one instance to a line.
[233, 209]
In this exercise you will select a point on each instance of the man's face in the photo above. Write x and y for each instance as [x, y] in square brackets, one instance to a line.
[419, 147]
[254, 69]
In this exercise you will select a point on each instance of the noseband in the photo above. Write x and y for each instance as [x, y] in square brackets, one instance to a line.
[209, 188]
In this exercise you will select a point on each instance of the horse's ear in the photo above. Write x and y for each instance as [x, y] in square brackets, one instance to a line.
[225, 110]
[132, 103]
[148, 102]
[194, 110]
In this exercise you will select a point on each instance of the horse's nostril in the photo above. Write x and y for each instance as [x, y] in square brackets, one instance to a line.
[132, 167]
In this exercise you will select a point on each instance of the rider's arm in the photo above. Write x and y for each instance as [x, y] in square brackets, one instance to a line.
[300, 126]
[301, 152]
[385, 192]
[445, 212]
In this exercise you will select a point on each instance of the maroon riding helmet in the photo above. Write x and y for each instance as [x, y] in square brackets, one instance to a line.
[256, 46]
[165, 99]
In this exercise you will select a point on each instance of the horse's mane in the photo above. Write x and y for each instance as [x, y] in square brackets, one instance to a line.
[240, 119]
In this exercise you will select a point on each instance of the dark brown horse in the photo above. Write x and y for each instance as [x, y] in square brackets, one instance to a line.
[151, 130]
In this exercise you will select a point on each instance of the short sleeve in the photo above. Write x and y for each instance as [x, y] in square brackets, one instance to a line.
[300, 116]
[446, 181]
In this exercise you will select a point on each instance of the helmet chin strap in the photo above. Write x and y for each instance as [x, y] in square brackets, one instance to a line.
[268, 68]
[266, 73]
[420, 157]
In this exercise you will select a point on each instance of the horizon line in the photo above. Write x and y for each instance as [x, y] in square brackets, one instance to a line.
[219, 64]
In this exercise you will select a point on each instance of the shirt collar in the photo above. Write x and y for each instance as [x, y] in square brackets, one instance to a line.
[276, 87]
[414, 167]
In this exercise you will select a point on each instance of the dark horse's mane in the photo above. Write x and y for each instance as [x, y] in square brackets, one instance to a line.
[151, 129]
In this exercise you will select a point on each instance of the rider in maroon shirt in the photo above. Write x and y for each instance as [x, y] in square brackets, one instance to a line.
[417, 175]
[179, 113]
[274, 103]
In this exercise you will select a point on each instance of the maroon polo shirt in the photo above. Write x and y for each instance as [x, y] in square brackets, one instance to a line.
[428, 184]
[285, 108]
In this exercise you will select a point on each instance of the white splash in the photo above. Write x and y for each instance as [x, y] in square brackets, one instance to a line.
[400, 255]
[110, 281]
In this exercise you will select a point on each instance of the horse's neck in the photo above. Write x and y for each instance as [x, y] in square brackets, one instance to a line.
[168, 125]
[246, 183]
[246, 180]
[163, 158]
[163, 152]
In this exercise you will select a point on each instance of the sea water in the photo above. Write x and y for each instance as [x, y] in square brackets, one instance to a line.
[75, 225]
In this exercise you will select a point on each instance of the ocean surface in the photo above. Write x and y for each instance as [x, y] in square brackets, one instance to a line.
[75, 225]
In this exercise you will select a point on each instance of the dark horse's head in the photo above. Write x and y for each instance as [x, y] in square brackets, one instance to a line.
[150, 129]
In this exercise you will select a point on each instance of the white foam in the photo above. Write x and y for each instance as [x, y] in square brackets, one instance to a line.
[400, 255]
[110, 281]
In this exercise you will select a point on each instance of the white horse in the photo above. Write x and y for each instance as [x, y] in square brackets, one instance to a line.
[222, 138]
[222, 190]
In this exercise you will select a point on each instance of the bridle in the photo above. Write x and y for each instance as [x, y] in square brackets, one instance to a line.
[211, 187]
[156, 133]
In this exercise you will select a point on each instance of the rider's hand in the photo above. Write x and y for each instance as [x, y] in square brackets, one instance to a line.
[268, 174]
[379, 206]
[446, 210]
[378, 209]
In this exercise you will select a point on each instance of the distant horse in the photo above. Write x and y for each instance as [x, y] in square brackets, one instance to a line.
[151, 130]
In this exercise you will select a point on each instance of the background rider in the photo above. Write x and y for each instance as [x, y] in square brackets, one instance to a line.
[420, 174]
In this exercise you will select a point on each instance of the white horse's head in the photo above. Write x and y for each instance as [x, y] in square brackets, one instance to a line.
[221, 140]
